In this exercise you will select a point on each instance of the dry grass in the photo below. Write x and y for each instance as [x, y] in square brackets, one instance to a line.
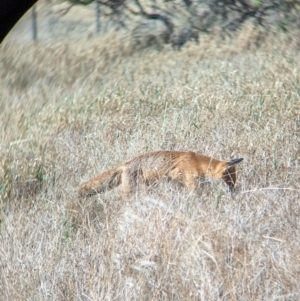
[71, 111]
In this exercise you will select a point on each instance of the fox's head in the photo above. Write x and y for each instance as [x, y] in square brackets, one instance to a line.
[229, 175]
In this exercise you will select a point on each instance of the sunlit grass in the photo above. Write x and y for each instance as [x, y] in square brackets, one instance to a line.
[71, 111]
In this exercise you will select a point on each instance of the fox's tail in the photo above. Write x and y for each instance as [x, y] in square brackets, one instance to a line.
[104, 181]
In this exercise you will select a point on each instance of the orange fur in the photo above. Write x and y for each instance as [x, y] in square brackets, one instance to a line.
[184, 167]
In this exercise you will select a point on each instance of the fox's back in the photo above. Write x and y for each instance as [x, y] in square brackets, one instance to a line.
[171, 164]
[153, 165]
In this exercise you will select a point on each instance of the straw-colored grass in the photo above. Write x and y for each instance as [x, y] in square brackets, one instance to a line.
[69, 111]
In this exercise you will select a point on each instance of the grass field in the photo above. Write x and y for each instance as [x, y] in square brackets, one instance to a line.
[69, 111]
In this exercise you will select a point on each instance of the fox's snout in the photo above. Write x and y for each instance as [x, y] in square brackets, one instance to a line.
[229, 176]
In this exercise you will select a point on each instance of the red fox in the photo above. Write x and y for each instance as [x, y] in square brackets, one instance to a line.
[184, 167]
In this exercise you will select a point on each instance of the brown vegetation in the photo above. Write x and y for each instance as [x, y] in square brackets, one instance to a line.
[70, 111]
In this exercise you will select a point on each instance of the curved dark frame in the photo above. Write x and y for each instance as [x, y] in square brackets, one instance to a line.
[10, 13]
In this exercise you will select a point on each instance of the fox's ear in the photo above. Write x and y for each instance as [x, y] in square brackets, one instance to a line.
[234, 162]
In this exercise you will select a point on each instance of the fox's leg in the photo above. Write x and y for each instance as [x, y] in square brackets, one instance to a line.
[126, 183]
[190, 182]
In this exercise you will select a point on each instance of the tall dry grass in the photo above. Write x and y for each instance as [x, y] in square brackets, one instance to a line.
[71, 111]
